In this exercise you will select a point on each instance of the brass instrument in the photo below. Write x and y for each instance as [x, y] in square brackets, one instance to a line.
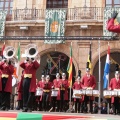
[31, 52]
[9, 53]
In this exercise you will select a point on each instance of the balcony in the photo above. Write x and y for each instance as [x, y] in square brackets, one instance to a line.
[73, 14]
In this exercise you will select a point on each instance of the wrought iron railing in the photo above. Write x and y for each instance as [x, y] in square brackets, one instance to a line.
[76, 14]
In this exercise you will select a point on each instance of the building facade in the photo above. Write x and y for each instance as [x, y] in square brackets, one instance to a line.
[84, 18]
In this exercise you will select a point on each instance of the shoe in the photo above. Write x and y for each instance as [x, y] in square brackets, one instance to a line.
[24, 110]
[3, 108]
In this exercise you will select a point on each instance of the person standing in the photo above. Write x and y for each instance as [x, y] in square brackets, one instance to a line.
[88, 82]
[63, 93]
[115, 85]
[7, 70]
[30, 66]
[77, 86]
[46, 93]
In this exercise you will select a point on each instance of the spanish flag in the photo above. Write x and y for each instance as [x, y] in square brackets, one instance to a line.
[89, 58]
[69, 68]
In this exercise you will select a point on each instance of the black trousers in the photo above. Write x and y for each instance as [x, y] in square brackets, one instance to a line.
[55, 104]
[27, 96]
[86, 100]
[45, 98]
[5, 96]
[117, 105]
[77, 105]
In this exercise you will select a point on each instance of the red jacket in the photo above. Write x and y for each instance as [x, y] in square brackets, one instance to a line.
[111, 27]
[114, 85]
[9, 70]
[65, 85]
[31, 69]
[88, 82]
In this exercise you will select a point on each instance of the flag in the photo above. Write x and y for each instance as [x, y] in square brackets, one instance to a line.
[16, 68]
[55, 25]
[18, 52]
[69, 68]
[89, 58]
[3, 49]
[106, 69]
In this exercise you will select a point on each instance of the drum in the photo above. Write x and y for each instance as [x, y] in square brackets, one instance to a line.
[14, 81]
[77, 93]
[96, 93]
[83, 92]
[54, 93]
[114, 93]
[39, 92]
[89, 92]
[118, 93]
[107, 94]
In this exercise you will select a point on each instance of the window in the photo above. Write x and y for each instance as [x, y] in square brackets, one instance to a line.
[57, 3]
[112, 3]
[6, 5]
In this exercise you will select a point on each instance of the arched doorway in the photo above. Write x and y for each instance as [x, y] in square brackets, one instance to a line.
[115, 56]
[51, 61]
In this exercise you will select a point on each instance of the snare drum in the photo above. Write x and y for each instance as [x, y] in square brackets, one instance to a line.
[54, 93]
[77, 93]
[114, 93]
[96, 93]
[39, 92]
[118, 93]
[88, 92]
[107, 94]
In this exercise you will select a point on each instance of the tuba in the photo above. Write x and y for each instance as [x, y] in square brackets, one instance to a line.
[31, 52]
[9, 53]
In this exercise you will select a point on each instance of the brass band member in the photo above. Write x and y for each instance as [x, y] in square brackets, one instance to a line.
[88, 82]
[46, 93]
[7, 69]
[41, 85]
[29, 83]
[77, 86]
[115, 85]
[56, 85]
[63, 93]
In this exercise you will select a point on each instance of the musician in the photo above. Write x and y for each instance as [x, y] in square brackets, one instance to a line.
[77, 86]
[20, 93]
[46, 93]
[63, 93]
[88, 82]
[56, 86]
[7, 69]
[41, 85]
[115, 85]
[111, 26]
[30, 65]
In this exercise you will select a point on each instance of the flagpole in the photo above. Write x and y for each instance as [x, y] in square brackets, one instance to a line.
[70, 86]
[99, 82]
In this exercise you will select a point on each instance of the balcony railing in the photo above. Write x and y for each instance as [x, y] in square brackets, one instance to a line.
[76, 14]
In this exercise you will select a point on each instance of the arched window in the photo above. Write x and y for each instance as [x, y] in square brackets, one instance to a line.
[112, 3]
[57, 4]
[6, 5]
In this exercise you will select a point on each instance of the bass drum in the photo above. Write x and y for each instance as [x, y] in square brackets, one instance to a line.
[14, 81]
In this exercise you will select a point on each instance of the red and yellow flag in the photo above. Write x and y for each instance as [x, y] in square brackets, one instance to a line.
[3, 48]
[69, 68]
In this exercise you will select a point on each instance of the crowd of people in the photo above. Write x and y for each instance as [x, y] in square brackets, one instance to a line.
[54, 95]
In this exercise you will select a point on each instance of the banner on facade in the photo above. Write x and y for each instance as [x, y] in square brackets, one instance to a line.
[108, 11]
[55, 25]
[3, 14]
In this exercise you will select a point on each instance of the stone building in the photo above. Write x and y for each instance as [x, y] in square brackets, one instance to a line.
[84, 18]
